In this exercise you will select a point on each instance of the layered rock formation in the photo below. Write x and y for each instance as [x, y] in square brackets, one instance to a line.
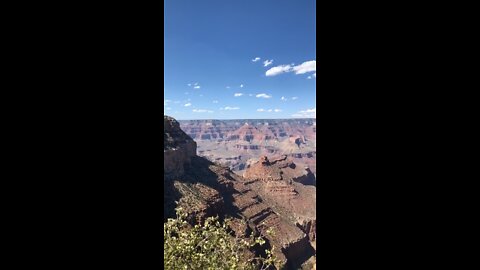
[220, 140]
[283, 185]
[270, 196]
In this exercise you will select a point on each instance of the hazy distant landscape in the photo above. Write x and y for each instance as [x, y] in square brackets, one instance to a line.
[235, 143]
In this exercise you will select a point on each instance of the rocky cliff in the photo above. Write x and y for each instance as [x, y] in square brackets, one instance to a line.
[285, 187]
[268, 197]
[178, 148]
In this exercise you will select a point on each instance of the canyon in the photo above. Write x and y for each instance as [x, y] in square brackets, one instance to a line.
[236, 143]
[274, 187]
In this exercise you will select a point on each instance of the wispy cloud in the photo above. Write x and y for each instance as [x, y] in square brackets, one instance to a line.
[250, 95]
[241, 85]
[228, 108]
[256, 59]
[195, 85]
[228, 87]
[309, 113]
[238, 94]
[201, 111]
[168, 108]
[165, 102]
[215, 101]
[284, 99]
[188, 104]
[274, 71]
[269, 110]
[294, 98]
[267, 63]
[315, 74]
[263, 96]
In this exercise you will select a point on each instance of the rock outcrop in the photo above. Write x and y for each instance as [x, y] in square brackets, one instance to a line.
[178, 148]
[279, 183]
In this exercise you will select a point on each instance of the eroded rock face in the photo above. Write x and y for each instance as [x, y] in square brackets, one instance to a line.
[178, 148]
[279, 168]
[290, 242]
[267, 198]
[279, 183]
[219, 140]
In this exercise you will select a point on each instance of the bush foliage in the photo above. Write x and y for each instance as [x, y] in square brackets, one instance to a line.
[208, 246]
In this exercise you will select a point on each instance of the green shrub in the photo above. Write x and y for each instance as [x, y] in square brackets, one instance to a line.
[208, 246]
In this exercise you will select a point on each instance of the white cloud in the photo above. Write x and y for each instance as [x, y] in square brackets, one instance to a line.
[256, 59]
[260, 110]
[309, 113]
[277, 110]
[197, 87]
[230, 108]
[196, 83]
[267, 63]
[241, 85]
[188, 105]
[201, 111]
[263, 96]
[309, 77]
[284, 99]
[215, 101]
[308, 66]
[168, 108]
[189, 84]
[294, 98]
[238, 94]
[305, 67]
[165, 102]
[270, 110]
[315, 74]
[278, 70]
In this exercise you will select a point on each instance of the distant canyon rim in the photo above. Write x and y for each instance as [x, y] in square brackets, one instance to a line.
[237, 143]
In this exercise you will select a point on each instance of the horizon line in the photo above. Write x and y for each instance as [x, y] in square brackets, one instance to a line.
[296, 118]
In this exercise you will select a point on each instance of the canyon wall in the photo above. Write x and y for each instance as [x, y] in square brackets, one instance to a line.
[274, 193]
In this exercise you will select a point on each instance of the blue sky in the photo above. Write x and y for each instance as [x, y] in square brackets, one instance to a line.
[239, 59]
